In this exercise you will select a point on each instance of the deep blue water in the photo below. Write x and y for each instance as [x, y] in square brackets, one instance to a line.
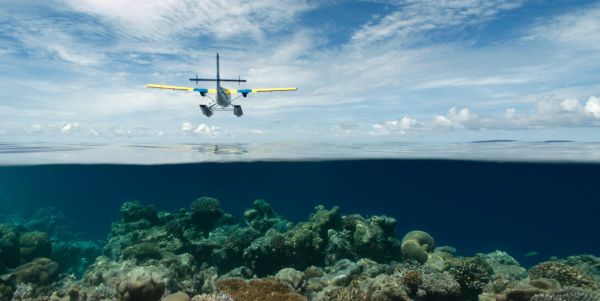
[474, 206]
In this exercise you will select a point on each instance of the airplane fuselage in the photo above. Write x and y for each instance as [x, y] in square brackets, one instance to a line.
[223, 97]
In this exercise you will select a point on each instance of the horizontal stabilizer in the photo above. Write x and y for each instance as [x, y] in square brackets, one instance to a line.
[214, 80]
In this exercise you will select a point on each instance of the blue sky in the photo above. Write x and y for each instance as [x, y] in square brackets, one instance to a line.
[74, 70]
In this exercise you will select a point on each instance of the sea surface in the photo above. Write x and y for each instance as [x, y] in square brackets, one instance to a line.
[157, 153]
[539, 199]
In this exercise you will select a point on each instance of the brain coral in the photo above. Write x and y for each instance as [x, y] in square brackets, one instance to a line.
[33, 245]
[141, 287]
[416, 244]
[564, 274]
[38, 271]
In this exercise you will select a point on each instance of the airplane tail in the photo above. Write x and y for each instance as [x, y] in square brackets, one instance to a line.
[218, 73]
[218, 79]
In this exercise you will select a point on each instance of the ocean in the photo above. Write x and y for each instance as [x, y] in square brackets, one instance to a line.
[475, 197]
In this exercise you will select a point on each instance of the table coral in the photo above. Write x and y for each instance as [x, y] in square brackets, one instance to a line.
[260, 289]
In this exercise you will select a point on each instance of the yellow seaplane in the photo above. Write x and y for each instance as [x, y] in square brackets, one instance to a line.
[222, 100]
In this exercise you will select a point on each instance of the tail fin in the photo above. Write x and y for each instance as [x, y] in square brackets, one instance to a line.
[218, 79]
[218, 73]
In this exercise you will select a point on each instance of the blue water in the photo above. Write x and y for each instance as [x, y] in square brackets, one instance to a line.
[549, 206]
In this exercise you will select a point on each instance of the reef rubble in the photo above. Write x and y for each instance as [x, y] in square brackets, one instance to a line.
[201, 253]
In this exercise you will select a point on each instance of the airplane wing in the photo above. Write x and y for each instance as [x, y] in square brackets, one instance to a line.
[180, 88]
[258, 90]
[273, 90]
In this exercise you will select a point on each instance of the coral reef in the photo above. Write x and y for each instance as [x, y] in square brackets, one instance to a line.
[9, 245]
[569, 294]
[472, 274]
[141, 287]
[45, 233]
[201, 251]
[563, 273]
[261, 289]
[33, 245]
[416, 244]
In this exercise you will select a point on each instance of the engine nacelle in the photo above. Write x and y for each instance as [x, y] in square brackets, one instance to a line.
[202, 91]
[245, 92]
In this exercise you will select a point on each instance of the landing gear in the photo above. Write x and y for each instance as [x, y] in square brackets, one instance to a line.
[206, 110]
[237, 111]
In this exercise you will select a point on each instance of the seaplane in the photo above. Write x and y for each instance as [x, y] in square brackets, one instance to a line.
[222, 100]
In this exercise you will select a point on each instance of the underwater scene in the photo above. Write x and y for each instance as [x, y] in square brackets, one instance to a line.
[361, 229]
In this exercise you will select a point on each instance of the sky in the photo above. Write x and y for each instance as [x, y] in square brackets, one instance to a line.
[389, 70]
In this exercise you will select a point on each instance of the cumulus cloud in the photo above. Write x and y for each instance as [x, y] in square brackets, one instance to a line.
[186, 126]
[202, 129]
[206, 130]
[400, 126]
[547, 113]
[458, 118]
[570, 104]
[592, 106]
[68, 128]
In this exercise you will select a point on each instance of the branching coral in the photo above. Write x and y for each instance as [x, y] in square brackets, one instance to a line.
[472, 274]
[412, 279]
[440, 286]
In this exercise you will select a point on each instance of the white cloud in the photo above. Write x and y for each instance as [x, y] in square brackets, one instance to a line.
[163, 19]
[206, 130]
[489, 81]
[400, 126]
[570, 104]
[579, 28]
[456, 118]
[68, 128]
[186, 126]
[413, 18]
[592, 106]
[547, 113]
